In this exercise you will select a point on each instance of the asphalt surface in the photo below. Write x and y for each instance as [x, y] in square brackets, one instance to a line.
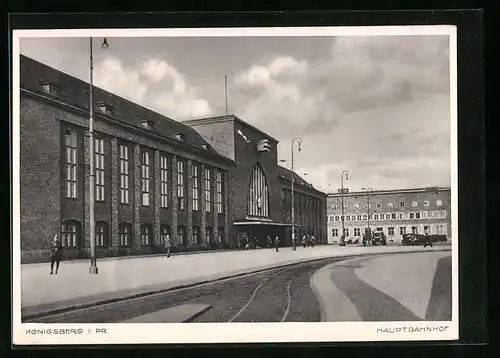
[277, 295]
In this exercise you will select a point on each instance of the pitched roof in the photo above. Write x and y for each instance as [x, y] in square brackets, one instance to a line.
[76, 92]
[286, 174]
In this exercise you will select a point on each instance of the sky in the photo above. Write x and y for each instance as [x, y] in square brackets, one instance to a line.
[376, 106]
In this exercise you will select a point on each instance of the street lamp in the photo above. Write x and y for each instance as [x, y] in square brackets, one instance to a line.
[299, 141]
[369, 193]
[93, 262]
[345, 174]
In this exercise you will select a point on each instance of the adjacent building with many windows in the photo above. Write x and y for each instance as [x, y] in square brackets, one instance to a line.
[395, 212]
[154, 176]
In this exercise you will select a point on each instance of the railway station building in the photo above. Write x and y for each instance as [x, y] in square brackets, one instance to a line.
[208, 183]
[394, 212]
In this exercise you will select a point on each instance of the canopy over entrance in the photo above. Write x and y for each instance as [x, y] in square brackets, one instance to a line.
[257, 232]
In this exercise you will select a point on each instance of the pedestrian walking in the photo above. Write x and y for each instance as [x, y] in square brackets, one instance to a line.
[313, 241]
[342, 240]
[168, 245]
[55, 254]
[427, 240]
[277, 243]
[304, 240]
[269, 242]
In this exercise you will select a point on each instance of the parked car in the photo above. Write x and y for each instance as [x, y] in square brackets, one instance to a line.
[378, 238]
[412, 239]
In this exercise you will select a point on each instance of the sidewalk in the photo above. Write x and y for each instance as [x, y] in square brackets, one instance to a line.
[74, 286]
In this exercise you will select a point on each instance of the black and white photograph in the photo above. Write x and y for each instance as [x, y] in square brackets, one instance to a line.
[301, 182]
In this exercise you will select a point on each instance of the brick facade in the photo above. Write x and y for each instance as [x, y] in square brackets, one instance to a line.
[392, 211]
[47, 119]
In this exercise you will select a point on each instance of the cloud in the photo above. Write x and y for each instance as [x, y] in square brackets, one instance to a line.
[376, 106]
[154, 84]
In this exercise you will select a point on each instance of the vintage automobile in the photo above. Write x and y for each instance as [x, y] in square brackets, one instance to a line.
[412, 239]
[419, 239]
[375, 238]
[378, 238]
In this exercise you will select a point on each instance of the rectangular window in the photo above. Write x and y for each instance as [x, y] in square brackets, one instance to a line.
[379, 205]
[219, 193]
[359, 217]
[196, 234]
[145, 178]
[412, 216]
[180, 185]
[402, 230]
[335, 232]
[417, 215]
[439, 202]
[164, 181]
[348, 218]
[346, 232]
[208, 187]
[402, 204]
[69, 235]
[427, 229]
[414, 229]
[70, 164]
[357, 231]
[393, 216]
[391, 231]
[337, 218]
[387, 216]
[375, 217]
[124, 174]
[99, 169]
[440, 229]
[123, 233]
[196, 188]
[365, 217]
[424, 215]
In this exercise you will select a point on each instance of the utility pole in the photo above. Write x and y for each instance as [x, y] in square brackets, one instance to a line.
[93, 260]
[299, 141]
[346, 174]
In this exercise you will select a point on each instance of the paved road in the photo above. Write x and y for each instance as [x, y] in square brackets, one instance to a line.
[277, 295]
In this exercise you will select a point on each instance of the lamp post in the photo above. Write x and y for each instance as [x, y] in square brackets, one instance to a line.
[93, 261]
[299, 141]
[369, 193]
[345, 174]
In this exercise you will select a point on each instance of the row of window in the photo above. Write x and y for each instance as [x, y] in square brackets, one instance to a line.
[402, 204]
[439, 230]
[71, 234]
[391, 216]
[71, 180]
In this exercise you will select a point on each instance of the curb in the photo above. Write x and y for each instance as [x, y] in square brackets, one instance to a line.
[97, 302]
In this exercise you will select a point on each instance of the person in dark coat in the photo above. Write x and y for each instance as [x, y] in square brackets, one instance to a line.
[269, 242]
[277, 243]
[427, 240]
[313, 241]
[168, 245]
[55, 254]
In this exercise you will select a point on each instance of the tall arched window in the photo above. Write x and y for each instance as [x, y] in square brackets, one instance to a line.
[164, 231]
[70, 234]
[101, 234]
[125, 234]
[146, 234]
[258, 197]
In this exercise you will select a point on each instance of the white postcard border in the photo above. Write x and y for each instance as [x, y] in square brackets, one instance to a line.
[167, 333]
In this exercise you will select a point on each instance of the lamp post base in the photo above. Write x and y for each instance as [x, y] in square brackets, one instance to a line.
[93, 270]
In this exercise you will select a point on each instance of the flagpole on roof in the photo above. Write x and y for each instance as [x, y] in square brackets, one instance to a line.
[225, 91]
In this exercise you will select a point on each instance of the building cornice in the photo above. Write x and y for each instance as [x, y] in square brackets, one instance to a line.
[85, 113]
[392, 191]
